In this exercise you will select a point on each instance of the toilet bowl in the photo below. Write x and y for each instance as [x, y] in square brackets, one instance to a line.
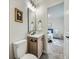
[28, 56]
[20, 49]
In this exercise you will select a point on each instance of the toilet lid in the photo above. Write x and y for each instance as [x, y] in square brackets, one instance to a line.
[28, 56]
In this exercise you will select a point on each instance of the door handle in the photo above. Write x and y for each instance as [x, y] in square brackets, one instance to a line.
[67, 37]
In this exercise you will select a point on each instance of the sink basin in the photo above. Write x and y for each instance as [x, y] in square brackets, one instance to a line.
[35, 34]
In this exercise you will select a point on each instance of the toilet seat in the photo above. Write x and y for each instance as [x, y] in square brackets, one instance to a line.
[29, 56]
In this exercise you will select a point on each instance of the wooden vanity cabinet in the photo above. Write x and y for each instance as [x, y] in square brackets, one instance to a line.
[35, 45]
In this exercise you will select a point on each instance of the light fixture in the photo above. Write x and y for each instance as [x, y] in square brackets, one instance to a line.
[30, 6]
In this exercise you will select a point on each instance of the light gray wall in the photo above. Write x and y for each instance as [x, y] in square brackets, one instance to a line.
[56, 18]
[18, 30]
[57, 24]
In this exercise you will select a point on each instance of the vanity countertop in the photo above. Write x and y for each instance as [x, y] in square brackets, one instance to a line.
[37, 35]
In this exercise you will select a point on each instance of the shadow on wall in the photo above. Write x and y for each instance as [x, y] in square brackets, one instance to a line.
[11, 51]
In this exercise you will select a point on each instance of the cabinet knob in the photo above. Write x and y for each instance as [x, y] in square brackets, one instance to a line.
[33, 40]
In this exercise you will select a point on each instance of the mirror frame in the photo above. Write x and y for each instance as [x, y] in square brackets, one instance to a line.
[28, 14]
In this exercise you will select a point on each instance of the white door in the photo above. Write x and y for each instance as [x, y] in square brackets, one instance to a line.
[66, 29]
[66, 46]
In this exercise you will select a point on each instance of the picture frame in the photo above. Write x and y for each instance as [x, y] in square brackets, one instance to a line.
[18, 15]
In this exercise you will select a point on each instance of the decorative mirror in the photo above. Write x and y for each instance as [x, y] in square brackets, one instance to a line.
[31, 20]
[34, 23]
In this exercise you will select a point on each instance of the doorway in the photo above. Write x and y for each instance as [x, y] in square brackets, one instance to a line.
[56, 31]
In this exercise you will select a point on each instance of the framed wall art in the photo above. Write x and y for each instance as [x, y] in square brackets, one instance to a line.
[18, 15]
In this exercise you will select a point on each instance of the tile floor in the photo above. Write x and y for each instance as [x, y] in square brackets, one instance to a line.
[55, 50]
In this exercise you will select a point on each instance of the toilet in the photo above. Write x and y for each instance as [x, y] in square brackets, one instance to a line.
[20, 48]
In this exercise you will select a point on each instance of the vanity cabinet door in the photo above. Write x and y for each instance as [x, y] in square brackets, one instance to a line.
[32, 46]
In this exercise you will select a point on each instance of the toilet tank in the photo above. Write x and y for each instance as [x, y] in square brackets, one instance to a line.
[20, 48]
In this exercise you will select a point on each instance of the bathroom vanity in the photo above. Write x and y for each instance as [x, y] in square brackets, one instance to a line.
[35, 44]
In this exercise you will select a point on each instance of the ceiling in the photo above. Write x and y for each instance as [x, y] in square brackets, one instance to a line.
[47, 2]
[56, 12]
